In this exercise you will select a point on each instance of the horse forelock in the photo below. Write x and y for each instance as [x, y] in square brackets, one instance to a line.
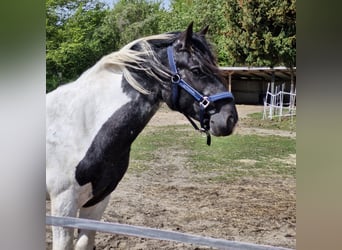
[204, 51]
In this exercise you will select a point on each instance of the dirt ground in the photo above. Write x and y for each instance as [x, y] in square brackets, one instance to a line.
[256, 210]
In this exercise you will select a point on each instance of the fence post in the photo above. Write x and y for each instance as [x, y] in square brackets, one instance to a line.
[265, 102]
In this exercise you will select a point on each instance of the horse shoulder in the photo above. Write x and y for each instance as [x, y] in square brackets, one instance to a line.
[75, 113]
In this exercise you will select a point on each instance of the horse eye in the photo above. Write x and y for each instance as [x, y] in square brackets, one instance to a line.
[196, 71]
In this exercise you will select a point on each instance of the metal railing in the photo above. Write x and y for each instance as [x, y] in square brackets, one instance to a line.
[152, 233]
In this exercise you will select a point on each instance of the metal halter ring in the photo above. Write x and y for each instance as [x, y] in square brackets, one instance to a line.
[175, 78]
[205, 102]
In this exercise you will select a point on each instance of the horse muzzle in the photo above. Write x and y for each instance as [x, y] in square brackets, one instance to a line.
[223, 123]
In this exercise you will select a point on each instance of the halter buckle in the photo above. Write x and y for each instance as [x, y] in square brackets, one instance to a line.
[205, 102]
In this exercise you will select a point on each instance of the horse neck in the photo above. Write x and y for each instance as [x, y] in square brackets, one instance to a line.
[134, 116]
[106, 160]
[125, 124]
[116, 135]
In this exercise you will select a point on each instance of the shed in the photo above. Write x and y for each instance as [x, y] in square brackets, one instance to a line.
[249, 84]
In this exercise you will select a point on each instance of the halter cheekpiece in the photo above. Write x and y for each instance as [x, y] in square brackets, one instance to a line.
[204, 101]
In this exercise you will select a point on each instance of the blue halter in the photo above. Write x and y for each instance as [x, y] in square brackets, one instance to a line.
[203, 101]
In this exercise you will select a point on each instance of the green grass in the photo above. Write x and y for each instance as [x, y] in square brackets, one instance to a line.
[227, 158]
[240, 155]
[255, 120]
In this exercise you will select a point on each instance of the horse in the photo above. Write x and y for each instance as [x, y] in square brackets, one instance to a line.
[92, 122]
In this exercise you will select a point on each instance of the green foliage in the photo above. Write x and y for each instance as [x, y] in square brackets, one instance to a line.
[262, 32]
[257, 33]
[132, 19]
[72, 40]
[80, 32]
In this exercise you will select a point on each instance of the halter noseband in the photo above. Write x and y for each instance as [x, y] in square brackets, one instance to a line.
[203, 101]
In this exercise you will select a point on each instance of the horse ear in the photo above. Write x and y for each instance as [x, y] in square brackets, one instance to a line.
[186, 36]
[204, 31]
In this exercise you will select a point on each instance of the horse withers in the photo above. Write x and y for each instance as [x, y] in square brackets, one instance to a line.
[92, 122]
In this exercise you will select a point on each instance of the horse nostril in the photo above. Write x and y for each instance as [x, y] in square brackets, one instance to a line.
[231, 122]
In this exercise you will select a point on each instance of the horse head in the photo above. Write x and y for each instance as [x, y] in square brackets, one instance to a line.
[198, 90]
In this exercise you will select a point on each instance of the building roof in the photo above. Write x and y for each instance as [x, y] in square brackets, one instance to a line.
[259, 73]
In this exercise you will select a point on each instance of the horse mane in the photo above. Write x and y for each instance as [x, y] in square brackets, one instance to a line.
[128, 57]
[134, 56]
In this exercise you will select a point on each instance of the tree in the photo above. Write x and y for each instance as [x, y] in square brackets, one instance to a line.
[245, 32]
[80, 32]
[72, 41]
[262, 32]
[132, 19]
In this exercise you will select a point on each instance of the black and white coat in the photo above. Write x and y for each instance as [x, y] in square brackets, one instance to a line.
[92, 122]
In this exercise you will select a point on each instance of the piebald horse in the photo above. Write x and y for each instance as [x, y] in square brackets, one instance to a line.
[92, 122]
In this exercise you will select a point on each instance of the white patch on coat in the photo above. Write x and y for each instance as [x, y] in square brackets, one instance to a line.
[75, 113]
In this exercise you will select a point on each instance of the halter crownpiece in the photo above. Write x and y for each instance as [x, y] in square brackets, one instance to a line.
[204, 101]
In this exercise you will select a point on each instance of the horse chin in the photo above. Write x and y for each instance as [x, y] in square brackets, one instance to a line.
[219, 133]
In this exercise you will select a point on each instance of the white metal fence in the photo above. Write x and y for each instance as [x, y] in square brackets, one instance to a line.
[275, 105]
[151, 233]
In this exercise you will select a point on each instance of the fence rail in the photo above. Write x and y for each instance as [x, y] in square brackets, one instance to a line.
[151, 233]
